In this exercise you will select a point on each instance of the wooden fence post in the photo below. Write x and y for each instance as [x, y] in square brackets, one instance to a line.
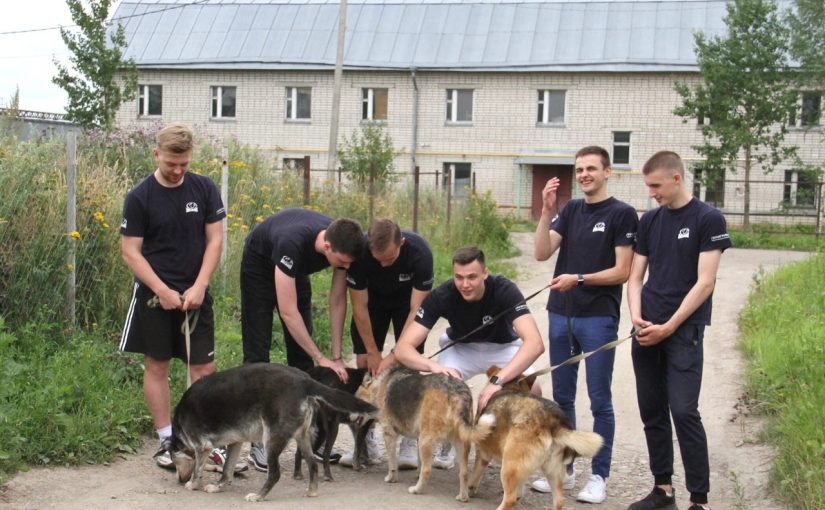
[416, 183]
[306, 180]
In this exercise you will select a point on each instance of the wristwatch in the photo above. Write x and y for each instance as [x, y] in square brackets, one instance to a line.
[495, 380]
[581, 280]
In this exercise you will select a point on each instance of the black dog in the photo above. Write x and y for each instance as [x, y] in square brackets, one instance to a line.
[254, 402]
[328, 420]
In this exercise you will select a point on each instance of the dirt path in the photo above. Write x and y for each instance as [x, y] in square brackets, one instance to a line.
[739, 464]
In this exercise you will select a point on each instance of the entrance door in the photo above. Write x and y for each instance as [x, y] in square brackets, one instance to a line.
[543, 173]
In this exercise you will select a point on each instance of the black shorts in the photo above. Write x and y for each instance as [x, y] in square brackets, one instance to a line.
[380, 318]
[157, 333]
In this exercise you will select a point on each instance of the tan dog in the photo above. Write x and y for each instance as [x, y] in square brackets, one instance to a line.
[530, 432]
[433, 408]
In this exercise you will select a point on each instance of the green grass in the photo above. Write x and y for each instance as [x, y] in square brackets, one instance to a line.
[775, 237]
[783, 329]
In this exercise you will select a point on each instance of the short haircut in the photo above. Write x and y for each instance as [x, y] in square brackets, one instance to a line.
[345, 236]
[382, 233]
[664, 160]
[175, 138]
[594, 150]
[467, 255]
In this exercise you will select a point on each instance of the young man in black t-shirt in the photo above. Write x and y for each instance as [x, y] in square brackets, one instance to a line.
[171, 236]
[681, 243]
[279, 255]
[388, 284]
[594, 236]
[472, 298]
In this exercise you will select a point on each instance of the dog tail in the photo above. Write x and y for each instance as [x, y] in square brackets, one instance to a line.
[359, 411]
[583, 443]
[484, 427]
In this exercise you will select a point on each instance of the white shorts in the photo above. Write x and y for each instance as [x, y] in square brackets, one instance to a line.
[475, 358]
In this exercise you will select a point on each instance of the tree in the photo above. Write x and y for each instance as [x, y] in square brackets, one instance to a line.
[807, 25]
[100, 80]
[9, 123]
[371, 146]
[746, 93]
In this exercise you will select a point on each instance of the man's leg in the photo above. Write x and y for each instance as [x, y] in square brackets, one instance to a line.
[156, 390]
[380, 324]
[257, 306]
[564, 378]
[684, 373]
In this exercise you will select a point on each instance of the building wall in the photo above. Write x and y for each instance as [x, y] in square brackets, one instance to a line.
[502, 131]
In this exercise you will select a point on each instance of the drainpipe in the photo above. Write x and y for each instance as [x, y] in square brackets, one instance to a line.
[414, 149]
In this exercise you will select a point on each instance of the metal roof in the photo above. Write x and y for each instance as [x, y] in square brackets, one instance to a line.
[454, 35]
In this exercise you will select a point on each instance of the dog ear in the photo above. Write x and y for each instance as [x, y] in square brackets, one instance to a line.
[493, 370]
[529, 380]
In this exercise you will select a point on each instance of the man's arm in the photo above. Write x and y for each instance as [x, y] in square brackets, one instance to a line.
[130, 250]
[413, 336]
[361, 317]
[615, 275]
[193, 296]
[546, 241]
[337, 316]
[287, 297]
[701, 290]
[530, 350]
[634, 290]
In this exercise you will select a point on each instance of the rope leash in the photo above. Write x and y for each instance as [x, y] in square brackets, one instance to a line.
[583, 355]
[188, 325]
[489, 322]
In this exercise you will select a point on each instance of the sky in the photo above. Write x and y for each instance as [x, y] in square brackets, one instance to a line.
[26, 59]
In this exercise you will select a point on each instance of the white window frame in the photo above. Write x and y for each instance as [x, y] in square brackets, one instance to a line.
[216, 103]
[143, 100]
[627, 144]
[291, 104]
[452, 106]
[544, 104]
[797, 117]
[368, 102]
[791, 187]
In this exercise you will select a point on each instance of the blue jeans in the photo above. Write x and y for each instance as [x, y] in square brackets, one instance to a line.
[588, 334]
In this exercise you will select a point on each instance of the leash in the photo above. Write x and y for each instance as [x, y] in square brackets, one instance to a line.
[189, 323]
[491, 321]
[583, 356]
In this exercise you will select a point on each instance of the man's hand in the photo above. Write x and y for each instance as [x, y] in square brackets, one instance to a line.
[651, 334]
[548, 194]
[438, 369]
[564, 282]
[387, 363]
[337, 366]
[193, 297]
[374, 360]
[169, 299]
[484, 396]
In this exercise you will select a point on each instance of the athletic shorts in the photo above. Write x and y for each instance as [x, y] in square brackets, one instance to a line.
[157, 333]
[475, 358]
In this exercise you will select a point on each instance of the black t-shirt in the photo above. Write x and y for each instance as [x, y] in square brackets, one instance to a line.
[390, 286]
[590, 234]
[172, 223]
[464, 316]
[672, 240]
[287, 240]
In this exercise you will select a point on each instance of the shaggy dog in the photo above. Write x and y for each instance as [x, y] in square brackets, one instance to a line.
[327, 421]
[255, 402]
[433, 408]
[530, 432]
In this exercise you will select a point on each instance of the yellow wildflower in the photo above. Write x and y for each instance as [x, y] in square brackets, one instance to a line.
[98, 216]
[259, 218]
[70, 266]
[74, 234]
[105, 225]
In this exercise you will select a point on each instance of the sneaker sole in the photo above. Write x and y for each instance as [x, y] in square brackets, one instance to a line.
[256, 466]
[587, 499]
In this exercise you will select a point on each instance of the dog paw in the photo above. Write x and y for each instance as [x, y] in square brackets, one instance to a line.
[391, 478]
[191, 486]
[298, 477]
[253, 497]
[414, 489]
[463, 498]
[311, 493]
[211, 488]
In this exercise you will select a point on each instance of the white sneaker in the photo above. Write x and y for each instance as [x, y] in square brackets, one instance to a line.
[542, 485]
[373, 453]
[408, 454]
[444, 457]
[594, 491]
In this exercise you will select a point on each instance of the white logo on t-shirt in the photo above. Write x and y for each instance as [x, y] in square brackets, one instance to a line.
[286, 261]
[191, 207]
[720, 237]
[684, 233]
[404, 277]
[598, 227]
[486, 319]
[420, 313]
[350, 279]
[123, 223]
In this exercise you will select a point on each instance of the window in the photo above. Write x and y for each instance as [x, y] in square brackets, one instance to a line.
[294, 164]
[298, 103]
[374, 104]
[223, 102]
[709, 186]
[551, 107]
[459, 105]
[621, 147]
[808, 111]
[150, 99]
[460, 174]
[800, 189]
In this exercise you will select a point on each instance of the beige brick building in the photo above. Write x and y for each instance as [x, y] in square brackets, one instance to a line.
[506, 126]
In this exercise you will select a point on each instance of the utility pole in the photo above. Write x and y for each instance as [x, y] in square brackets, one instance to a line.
[332, 157]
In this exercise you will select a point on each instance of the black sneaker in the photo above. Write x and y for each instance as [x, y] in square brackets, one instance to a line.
[257, 457]
[655, 500]
[334, 457]
[696, 506]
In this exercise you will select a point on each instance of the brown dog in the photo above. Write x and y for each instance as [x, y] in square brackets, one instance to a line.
[433, 408]
[530, 432]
